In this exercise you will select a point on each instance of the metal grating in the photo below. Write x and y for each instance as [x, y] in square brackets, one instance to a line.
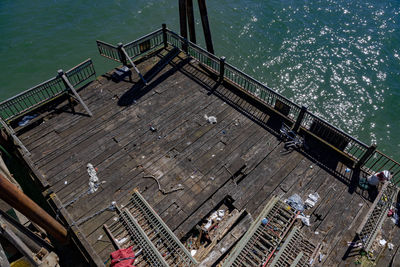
[376, 215]
[146, 230]
[261, 241]
[295, 251]
[149, 250]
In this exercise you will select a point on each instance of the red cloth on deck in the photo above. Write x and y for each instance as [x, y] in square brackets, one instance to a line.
[123, 257]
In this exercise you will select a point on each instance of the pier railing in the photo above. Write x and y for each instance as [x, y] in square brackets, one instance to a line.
[268, 96]
[145, 44]
[334, 136]
[139, 47]
[108, 50]
[44, 92]
[364, 156]
[379, 161]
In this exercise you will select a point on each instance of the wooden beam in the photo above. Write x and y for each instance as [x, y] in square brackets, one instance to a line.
[18, 244]
[206, 26]
[182, 18]
[190, 16]
[3, 258]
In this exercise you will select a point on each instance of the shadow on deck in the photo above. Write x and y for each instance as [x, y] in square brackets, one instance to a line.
[161, 130]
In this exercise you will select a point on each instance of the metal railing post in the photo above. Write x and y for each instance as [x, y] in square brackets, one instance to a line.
[366, 156]
[221, 68]
[185, 46]
[299, 119]
[164, 31]
[121, 54]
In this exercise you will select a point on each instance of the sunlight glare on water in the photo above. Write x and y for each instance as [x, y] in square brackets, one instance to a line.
[340, 58]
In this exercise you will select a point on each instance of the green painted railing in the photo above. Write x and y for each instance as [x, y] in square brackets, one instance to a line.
[40, 94]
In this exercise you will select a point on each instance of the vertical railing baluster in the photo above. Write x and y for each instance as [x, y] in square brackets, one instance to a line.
[221, 68]
[164, 30]
[366, 156]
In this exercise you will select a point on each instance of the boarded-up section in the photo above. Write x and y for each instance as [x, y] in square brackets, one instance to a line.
[329, 134]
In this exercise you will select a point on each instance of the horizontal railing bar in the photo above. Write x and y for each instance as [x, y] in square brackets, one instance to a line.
[104, 43]
[143, 37]
[262, 85]
[79, 65]
[193, 45]
[28, 90]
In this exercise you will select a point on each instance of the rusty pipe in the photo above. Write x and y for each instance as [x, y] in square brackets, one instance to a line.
[21, 202]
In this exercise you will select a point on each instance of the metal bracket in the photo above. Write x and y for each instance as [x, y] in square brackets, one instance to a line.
[72, 89]
[133, 64]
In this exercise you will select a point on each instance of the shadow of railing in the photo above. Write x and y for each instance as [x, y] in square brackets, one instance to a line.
[139, 89]
[324, 157]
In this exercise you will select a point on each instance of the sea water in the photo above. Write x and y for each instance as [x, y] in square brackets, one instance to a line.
[340, 58]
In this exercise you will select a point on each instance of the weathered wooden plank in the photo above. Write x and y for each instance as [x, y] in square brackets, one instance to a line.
[117, 134]
[289, 184]
[161, 129]
[344, 229]
[272, 182]
[257, 178]
[182, 225]
[61, 111]
[169, 161]
[76, 132]
[213, 191]
[335, 191]
[213, 166]
[101, 96]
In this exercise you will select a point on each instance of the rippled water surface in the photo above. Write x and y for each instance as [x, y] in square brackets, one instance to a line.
[340, 58]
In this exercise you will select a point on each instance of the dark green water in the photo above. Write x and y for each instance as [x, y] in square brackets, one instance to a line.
[341, 58]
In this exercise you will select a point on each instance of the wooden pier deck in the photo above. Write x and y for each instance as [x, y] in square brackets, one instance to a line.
[183, 149]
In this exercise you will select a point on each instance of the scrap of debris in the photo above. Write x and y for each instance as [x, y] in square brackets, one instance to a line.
[210, 119]
[165, 192]
[207, 234]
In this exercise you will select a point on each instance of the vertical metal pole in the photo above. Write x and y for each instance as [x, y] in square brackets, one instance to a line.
[366, 156]
[164, 35]
[221, 68]
[18, 200]
[206, 26]
[133, 65]
[121, 54]
[190, 16]
[182, 20]
[299, 119]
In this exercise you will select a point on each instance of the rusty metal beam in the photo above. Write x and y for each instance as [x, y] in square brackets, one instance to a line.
[18, 200]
